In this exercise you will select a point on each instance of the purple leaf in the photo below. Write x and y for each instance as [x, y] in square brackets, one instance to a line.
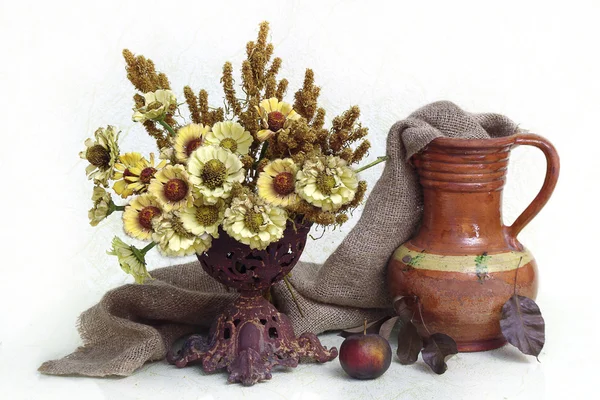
[372, 327]
[522, 325]
[410, 343]
[437, 347]
[386, 328]
[404, 307]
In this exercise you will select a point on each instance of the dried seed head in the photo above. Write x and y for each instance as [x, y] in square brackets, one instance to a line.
[192, 145]
[207, 214]
[146, 215]
[283, 183]
[99, 156]
[147, 174]
[176, 189]
[275, 121]
[229, 144]
[213, 174]
[253, 220]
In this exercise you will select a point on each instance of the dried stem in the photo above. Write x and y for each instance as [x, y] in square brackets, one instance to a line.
[289, 287]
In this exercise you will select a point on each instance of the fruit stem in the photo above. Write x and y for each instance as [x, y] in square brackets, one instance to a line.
[365, 327]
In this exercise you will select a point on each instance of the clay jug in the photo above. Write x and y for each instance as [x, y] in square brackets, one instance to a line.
[464, 263]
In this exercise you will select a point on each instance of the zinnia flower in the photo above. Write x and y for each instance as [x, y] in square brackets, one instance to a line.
[131, 259]
[103, 206]
[174, 240]
[203, 218]
[213, 170]
[123, 168]
[138, 216]
[156, 105]
[250, 221]
[139, 176]
[276, 183]
[326, 182]
[274, 115]
[102, 154]
[188, 139]
[231, 136]
[172, 188]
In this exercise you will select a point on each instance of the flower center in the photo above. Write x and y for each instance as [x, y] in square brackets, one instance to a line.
[275, 121]
[175, 189]
[325, 183]
[98, 156]
[207, 215]
[155, 105]
[283, 183]
[193, 145]
[213, 174]
[178, 228]
[229, 144]
[127, 173]
[253, 220]
[146, 215]
[147, 174]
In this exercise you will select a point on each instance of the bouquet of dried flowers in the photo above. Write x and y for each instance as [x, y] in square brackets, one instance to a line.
[244, 169]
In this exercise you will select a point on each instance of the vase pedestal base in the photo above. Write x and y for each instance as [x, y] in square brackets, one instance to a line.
[250, 338]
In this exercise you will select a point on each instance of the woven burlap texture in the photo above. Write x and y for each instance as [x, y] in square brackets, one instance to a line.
[134, 324]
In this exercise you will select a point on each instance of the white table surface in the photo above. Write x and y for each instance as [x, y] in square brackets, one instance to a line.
[565, 371]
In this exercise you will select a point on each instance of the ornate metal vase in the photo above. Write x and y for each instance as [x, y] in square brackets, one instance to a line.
[464, 263]
[251, 337]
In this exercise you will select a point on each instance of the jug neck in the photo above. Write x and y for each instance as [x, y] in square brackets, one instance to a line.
[462, 195]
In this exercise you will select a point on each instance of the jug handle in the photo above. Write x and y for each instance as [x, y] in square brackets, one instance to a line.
[552, 171]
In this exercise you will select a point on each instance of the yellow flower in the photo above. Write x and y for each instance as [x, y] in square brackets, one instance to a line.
[326, 182]
[172, 188]
[103, 206]
[135, 174]
[274, 115]
[174, 240]
[213, 171]
[123, 172]
[231, 136]
[102, 154]
[251, 222]
[276, 184]
[156, 105]
[188, 139]
[138, 216]
[131, 259]
[139, 176]
[203, 218]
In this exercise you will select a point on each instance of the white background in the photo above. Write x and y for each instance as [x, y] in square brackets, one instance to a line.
[62, 76]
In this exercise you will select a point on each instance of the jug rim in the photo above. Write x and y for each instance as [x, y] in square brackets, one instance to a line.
[451, 142]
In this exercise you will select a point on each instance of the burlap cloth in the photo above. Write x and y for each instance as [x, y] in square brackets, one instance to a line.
[134, 324]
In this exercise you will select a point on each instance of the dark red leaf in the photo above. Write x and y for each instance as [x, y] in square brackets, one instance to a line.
[437, 348]
[410, 343]
[404, 307]
[522, 325]
[386, 328]
[372, 327]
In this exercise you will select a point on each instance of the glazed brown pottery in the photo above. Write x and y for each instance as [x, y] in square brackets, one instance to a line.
[464, 263]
